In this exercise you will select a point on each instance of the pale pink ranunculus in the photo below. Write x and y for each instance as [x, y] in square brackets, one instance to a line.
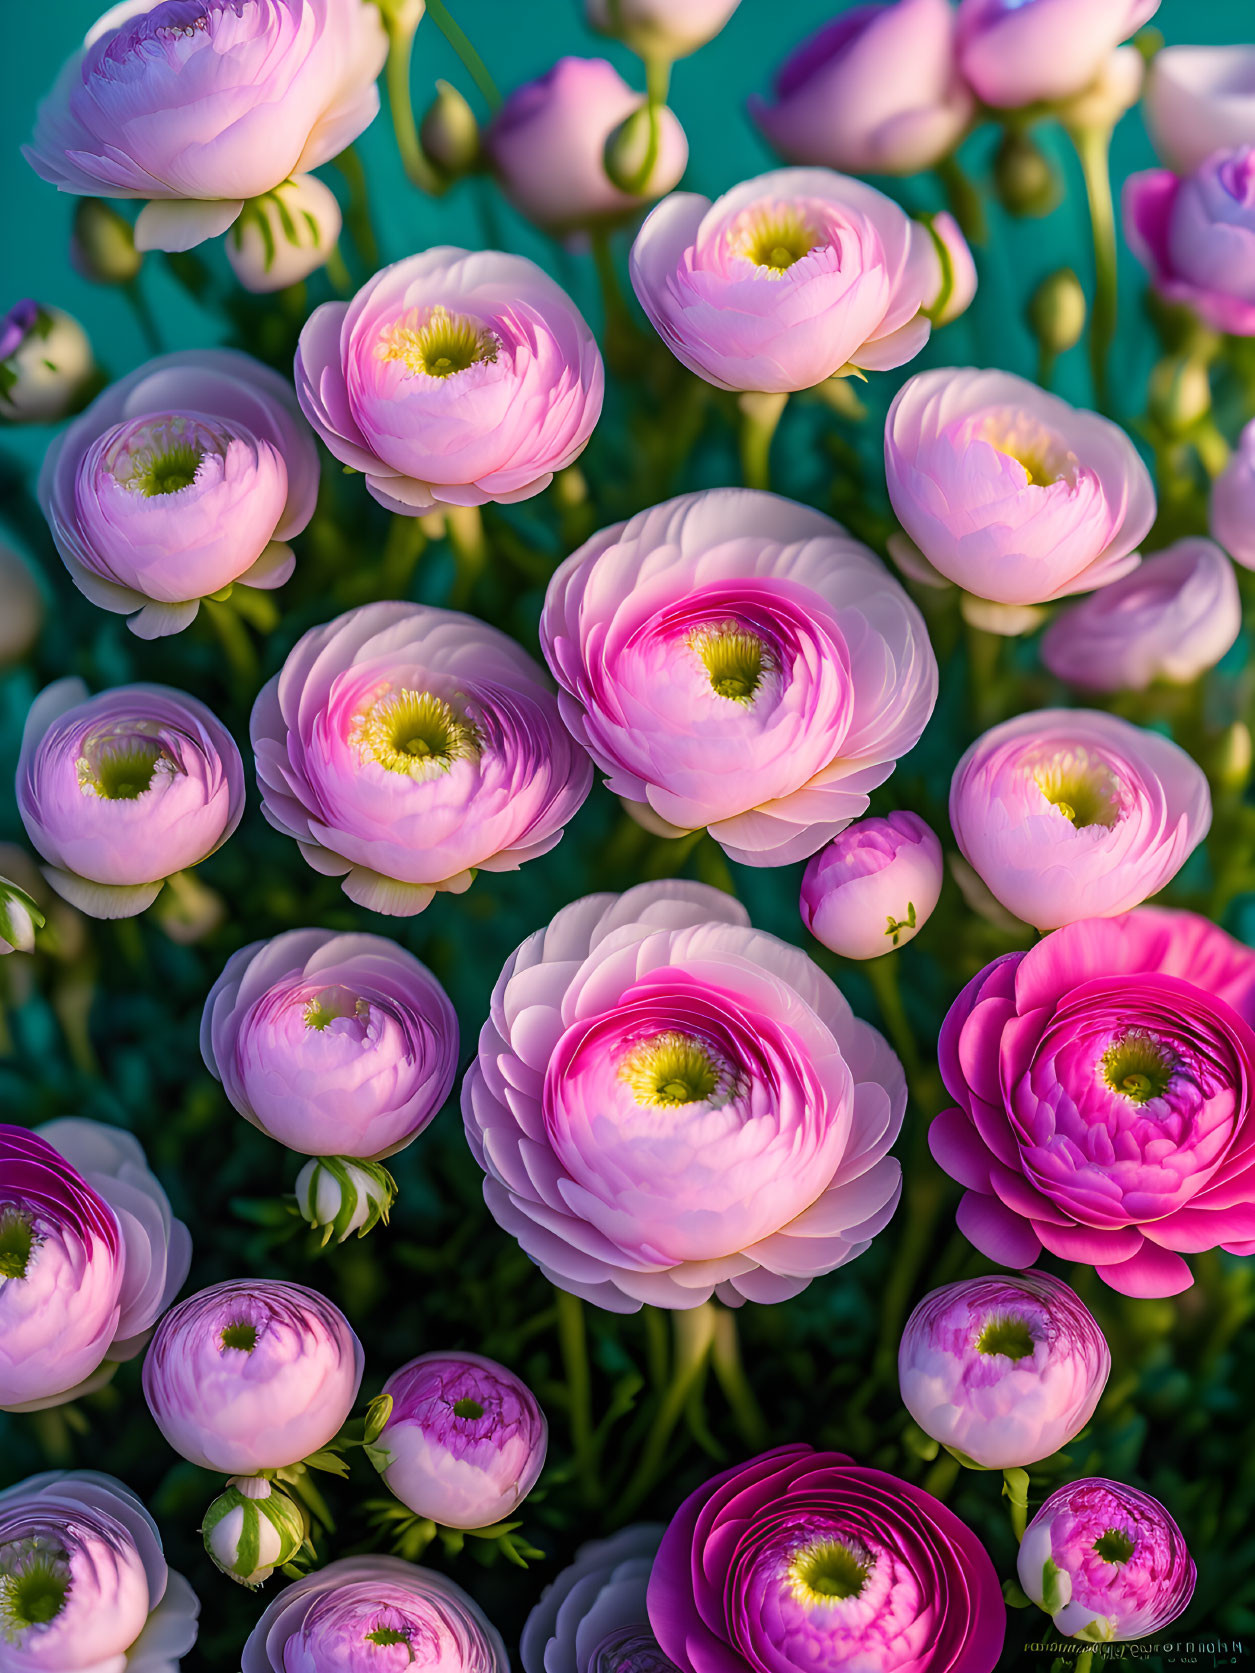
[452, 378]
[874, 887]
[1233, 502]
[875, 91]
[660, 28]
[1171, 619]
[406, 747]
[199, 105]
[734, 660]
[786, 280]
[183, 478]
[1010, 492]
[1200, 99]
[1013, 54]
[1196, 237]
[1072, 813]
[669, 1105]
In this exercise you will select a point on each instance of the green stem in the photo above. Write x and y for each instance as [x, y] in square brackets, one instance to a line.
[1092, 148]
[1015, 1487]
[1084, 1661]
[619, 331]
[401, 106]
[357, 216]
[338, 273]
[694, 1330]
[573, 1341]
[730, 1372]
[144, 316]
[402, 550]
[882, 973]
[984, 653]
[761, 413]
[235, 642]
[1046, 358]
[464, 525]
[439, 14]
[942, 1476]
[964, 198]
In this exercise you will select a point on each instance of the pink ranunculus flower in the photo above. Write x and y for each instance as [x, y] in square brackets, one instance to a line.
[874, 887]
[366, 1615]
[1174, 617]
[1003, 1371]
[1106, 1562]
[660, 28]
[90, 1257]
[733, 660]
[254, 1374]
[84, 1580]
[452, 379]
[188, 475]
[1196, 237]
[669, 1105]
[547, 147]
[875, 91]
[1233, 502]
[1013, 54]
[801, 1559]
[120, 791]
[199, 105]
[407, 747]
[336, 1045]
[1200, 99]
[1104, 1082]
[785, 280]
[465, 1441]
[1010, 492]
[593, 1618]
[1072, 813]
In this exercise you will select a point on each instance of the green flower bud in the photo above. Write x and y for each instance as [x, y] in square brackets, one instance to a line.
[450, 133]
[633, 150]
[102, 244]
[339, 1195]
[1180, 393]
[1024, 177]
[252, 1529]
[19, 919]
[1056, 311]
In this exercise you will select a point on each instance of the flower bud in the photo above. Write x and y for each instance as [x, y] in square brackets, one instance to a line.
[340, 1196]
[660, 29]
[401, 17]
[283, 237]
[252, 1529]
[1056, 311]
[633, 152]
[1231, 764]
[21, 607]
[450, 133]
[1024, 177]
[1180, 393]
[102, 244]
[873, 888]
[956, 270]
[46, 364]
[19, 919]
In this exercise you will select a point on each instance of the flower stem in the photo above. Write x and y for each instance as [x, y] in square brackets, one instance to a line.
[1084, 1661]
[573, 1340]
[694, 1331]
[1092, 148]
[942, 1476]
[357, 216]
[402, 550]
[471, 61]
[144, 317]
[401, 105]
[1015, 1487]
[882, 973]
[338, 273]
[235, 642]
[761, 413]
[619, 331]
[964, 199]
[726, 1359]
[464, 525]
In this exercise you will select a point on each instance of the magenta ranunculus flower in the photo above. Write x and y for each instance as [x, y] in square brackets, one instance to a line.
[366, 1615]
[802, 1559]
[199, 105]
[1200, 99]
[188, 475]
[786, 280]
[1196, 236]
[1233, 502]
[593, 1618]
[733, 660]
[660, 28]
[1174, 617]
[547, 145]
[873, 888]
[452, 379]
[90, 1257]
[1106, 1562]
[1015, 54]
[1105, 1108]
[1072, 813]
[875, 91]
[254, 1374]
[465, 1440]
[336, 1045]
[1003, 1371]
[1010, 492]
[409, 747]
[670, 1105]
[120, 791]
[84, 1586]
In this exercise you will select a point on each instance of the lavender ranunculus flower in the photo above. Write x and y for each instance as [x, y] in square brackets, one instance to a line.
[1072, 813]
[1196, 236]
[409, 747]
[1233, 502]
[1003, 1370]
[188, 475]
[199, 105]
[45, 363]
[1014, 54]
[1106, 1562]
[90, 1257]
[593, 1618]
[873, 888]
[253, 1374]
[84, 1586]
[368, 1614]
[801, 1559]
[336, 1045]
[120, 791]
[1200, 99]
[736, 661]
[465, 1440]
[452, 379]
[670, 1105]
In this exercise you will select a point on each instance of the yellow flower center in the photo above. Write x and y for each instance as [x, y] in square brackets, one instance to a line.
[438, 344]
[674, 1069]
[1041, 453]
[829, 1571]
[1083, 790]
[774, 238]
[1138, 1066]
[330, 1005]
[416, 733]
[735, 660]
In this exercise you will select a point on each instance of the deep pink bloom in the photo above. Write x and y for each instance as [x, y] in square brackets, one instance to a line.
[409, 747]
[1106, 1561]
[803, 1559]
[737, 661]
[190, 474]
[1104, 1082]
[785, 280]
[1200, 99]
[1015, 54]
[668, 1104]
[873, 888]
[452, 379]
[1196, 236]
[875, 91]
[593, 1618]
[1233, 502]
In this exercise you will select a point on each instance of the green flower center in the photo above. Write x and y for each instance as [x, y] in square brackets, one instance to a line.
[332, 1004]
[34, 1583]
[162, 455]
[1008, 1336]
[239, 1335]
[1138, 1066]
[416, 733]
[17, 1242]
[1082, 789]
[1114, 1546]
[385, 1637]
[439, 345]
[829, 1572]
[776, 239]
[119, 763]
[734, 659]
[674, 1069]
[467, 1407]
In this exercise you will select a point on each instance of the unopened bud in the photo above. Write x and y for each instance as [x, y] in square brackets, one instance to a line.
[450, 133]
[1024, 177]
[284, 236]
[46, 366]
[252, 1529]
[633, 150]
[401, 17]
[102, 244]
[340, 1195]
[1180, 394]
[19, 919]
[1232, 764]
[1056, 311]
[653, 31]
[21, 607]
